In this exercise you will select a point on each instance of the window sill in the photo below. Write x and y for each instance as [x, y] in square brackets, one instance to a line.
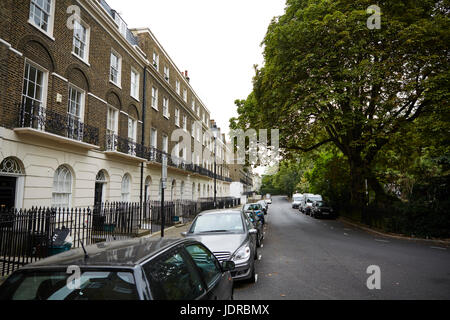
[86, 62]
[166, 116]
[137, 99]
[117, 85]
[155, 108]
[47, 34]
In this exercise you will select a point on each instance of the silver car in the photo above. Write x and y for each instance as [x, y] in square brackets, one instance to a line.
[230, 236]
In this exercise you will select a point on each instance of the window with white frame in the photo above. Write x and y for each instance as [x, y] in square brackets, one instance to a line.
[112, 123]
[177, 86]
[185, 95]
[155, 60]
[81, 40]
[185, 123]
[166, 73]
[116, 68]
[193, 129]
[198, 111]
[132, 129]
[62, 188]
[153, 138]
[135, 77]
[75, 112]
[193, 105]
[165, 143]
[155, 98]
[34, 87]
[177, 117]
[126, 188]
[121, 24]
[166, 107]
[42, 15]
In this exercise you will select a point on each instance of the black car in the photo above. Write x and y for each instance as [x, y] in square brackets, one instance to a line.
[264, 206]
[137, 269]
[321, 209]
[257, 223]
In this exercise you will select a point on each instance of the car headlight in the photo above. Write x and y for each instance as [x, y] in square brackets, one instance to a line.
[242, 254]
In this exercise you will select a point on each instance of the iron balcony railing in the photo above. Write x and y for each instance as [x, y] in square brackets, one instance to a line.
[34, 115]
[128, 146]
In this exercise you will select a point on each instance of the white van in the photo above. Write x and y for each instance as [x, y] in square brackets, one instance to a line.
[296, 200]
[307, 202]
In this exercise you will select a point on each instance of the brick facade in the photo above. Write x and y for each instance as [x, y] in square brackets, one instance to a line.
[21, 42]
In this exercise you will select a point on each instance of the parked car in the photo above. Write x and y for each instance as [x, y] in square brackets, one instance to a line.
[307, 201]
[269, 198]
[136, 269]
[257, 224]
[296, 200]
[257, 208]
[264, 205]
[230, 235]
[321, 209]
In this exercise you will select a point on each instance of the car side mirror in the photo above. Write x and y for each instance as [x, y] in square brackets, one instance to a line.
[228, 266]
[252, 231]
[184, 234]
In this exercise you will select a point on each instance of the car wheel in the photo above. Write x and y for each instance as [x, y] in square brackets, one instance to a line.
[253, 277]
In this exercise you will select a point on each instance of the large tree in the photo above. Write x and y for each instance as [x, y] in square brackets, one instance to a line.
[328, 78]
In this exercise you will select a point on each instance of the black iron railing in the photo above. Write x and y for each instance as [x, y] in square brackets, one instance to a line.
[28, 235]
[35, 116]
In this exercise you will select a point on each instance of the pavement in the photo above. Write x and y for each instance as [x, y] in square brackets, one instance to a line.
[313, 259]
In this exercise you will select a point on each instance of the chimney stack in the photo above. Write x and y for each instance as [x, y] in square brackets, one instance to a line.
[187, 76]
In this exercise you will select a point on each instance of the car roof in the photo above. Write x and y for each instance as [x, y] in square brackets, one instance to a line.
[221, 211]
[122, 253]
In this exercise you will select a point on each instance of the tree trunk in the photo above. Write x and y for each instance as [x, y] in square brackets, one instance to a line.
[357, 188]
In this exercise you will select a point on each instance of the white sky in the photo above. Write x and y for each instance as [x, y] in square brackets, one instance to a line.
[218, 42]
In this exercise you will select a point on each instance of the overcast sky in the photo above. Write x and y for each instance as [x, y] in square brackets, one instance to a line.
[218, 42]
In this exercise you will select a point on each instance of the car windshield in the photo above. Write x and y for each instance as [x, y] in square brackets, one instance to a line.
[297, 198]
[56, 285]
[220, 222]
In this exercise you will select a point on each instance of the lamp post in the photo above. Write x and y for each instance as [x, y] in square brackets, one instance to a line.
[215, 131]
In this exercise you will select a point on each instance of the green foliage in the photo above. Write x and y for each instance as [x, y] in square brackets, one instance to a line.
[327, 78]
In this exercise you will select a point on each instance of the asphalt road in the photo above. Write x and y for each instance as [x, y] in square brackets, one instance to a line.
[306, 258]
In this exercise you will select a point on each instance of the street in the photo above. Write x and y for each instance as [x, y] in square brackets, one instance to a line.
[306, 258]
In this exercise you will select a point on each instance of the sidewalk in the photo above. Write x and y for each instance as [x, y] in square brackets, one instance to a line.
[368, 229]
[172, 232]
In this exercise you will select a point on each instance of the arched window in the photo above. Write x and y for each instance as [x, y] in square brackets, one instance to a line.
[10, 166]
[173, 190]
[126, 188]
[148, 183]
[181, 190]
[62, 188]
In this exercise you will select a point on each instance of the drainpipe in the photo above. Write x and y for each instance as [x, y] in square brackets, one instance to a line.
[143, 131]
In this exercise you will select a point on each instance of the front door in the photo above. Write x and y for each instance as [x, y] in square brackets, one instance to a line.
[98, 194]
[7, 192]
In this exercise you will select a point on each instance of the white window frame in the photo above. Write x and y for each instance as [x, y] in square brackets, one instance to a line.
[165, 143]
[125, 188]
[51, 20]
[166, 107]
[58, 193]
[155, 60]
[185, 123]
[185, 95]
[84, 58]
[119, 69]
[154, 138]
[178, 87]
[115, 112]
[44, 86]
[177, 117]
[166, 73]
[135, 85]
[155, 98]
[82, 101]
